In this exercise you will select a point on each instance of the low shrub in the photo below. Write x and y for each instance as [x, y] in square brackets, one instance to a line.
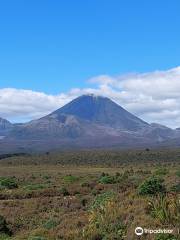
[178, 173]
[152, 186]
[165, 237]
[104, 220]
[46, 177]
[70, 179]
[159, 209]
[107, 179]
[36, 238]
[4, 227]
[64, 191]
[95, 192]
[175, 188]
[166, 209]
[101, 199]
[9, 183]
[32, 187]
[50, 224]
[4, 237]
[161, 171]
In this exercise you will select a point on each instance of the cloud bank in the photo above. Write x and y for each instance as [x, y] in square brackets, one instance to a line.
[153, 96]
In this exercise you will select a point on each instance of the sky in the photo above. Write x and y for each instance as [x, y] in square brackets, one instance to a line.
[54, 51]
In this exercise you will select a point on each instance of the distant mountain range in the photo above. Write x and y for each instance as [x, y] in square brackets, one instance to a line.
[88, 121]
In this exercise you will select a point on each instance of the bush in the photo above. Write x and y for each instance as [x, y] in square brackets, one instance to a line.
[101, 199]
[8, 183]
[161, 171]
[159, 208]
[3, 226]
[165, 237]
[70, 179]
[64, 191]
[178, 173]
[46, 177]
[104, 221]
[107, 179]
[37, 238]
[4, 237]
[176, 188]
[152, 186]
[32, 187]
[50, 224]
[166, 209]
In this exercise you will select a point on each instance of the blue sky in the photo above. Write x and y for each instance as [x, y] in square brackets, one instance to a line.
[53, 46]
[49, 49]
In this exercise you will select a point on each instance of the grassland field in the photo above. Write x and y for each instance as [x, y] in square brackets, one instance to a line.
[90, 195]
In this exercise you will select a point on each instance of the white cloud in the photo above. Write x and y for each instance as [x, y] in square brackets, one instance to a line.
[103, 80]
[19, 104]
[153, 96]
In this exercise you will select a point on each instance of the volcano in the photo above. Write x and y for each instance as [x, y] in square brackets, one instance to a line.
[88, 121]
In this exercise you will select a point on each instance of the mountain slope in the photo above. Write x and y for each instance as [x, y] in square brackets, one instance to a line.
[86, 116]
[101, 110]
[5, 124]
[86, 122]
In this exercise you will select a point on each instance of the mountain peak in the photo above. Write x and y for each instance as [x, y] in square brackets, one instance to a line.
[92, 95]
[101, 110]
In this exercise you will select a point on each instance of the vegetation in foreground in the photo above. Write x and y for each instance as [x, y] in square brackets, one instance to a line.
[45, 197]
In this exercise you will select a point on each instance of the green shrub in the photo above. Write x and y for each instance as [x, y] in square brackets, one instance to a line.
[46, 177]
[165, 208]
[64, 191]
[9, 183]
[176, 188]
[104, 220]
[50, 224]
[165, 237]
[178, 173]
[3, 226]
[70, 179]
[161, 171]
[107, 179]
[32, 187]
[152, 186]
[37, 238]
[4, 237]
[124, 177]
[101, 199]
[95, 192]
[159, 208]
